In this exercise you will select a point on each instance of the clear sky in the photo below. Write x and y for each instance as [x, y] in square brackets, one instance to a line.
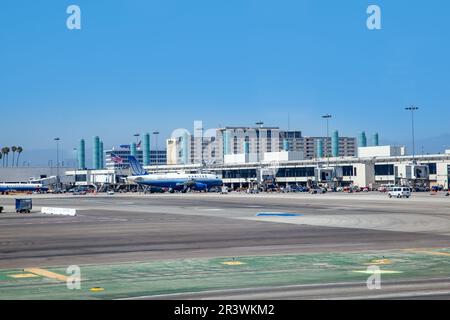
[141, 65]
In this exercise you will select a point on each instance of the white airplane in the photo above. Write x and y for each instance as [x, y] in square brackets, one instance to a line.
[172, 181]
[17, 187]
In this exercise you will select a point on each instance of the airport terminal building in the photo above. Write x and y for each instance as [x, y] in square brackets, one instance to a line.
[373, 167]
[275, 157]
[378, 165]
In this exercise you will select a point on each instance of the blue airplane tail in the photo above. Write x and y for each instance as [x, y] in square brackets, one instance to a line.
[136, 167]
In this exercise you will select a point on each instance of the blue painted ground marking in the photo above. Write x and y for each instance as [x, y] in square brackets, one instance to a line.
[278, 214]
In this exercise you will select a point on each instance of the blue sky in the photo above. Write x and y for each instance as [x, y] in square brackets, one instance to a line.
[141, 65]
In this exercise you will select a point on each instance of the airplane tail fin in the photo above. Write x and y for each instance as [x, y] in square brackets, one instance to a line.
[136, 167]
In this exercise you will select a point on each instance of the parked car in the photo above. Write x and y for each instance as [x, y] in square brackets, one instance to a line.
[215, 189]
[79, 192]
[295, 188]
[421, 189]
[271, 188]
[436, 188]
[302, 189]
[317, 190]
[399, 192]
[385, 187]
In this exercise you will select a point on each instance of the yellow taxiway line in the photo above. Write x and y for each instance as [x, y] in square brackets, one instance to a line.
[427, 251]
[46, 274]
[23, 275]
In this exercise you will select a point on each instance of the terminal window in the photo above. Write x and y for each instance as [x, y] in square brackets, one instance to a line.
[80, 178]
[295, 172]
[432, 168]
[384, 169]
[347, 171]
[244, 173]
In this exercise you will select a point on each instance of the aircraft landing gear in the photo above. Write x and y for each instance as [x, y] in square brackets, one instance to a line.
[185, 190]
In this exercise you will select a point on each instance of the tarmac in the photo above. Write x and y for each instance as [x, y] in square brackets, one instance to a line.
[132, 237]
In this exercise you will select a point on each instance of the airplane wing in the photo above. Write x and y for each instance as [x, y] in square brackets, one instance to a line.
[187, 183]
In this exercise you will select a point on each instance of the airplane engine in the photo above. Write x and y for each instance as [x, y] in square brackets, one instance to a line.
[200, 186]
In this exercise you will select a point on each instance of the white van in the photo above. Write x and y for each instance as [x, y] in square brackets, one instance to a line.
[399, 192]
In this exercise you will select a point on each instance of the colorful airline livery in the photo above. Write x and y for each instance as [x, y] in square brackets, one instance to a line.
[172, 181]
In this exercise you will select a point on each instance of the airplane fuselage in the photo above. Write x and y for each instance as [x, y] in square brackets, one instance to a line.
[178, 180]
[17, 187]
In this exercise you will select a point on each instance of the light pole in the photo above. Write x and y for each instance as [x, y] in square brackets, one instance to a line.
[412, 109]
[137, 135]
[57, 161]
[260, 124]
[201, 138]
[327, 117]
[156, 133]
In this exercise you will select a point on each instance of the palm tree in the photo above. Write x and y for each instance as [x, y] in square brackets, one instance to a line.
[1, 157]
[6, 154]
[19, 151]
[13, 149]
